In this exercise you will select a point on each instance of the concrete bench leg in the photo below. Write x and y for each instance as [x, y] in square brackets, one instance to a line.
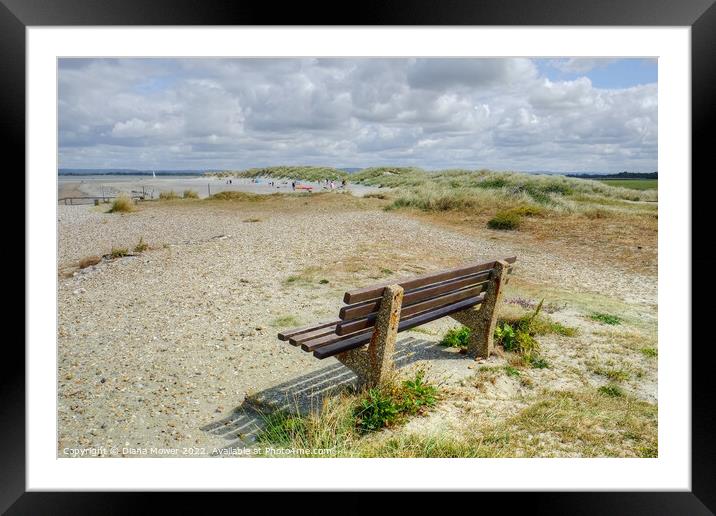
[481, 320]
[373, 365]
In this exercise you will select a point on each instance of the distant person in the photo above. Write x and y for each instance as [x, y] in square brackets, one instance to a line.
[293, 185]
[343, 183]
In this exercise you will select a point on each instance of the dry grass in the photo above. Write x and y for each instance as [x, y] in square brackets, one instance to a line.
[556, 424]
[122, 204]
[168, 196]
[190, 194]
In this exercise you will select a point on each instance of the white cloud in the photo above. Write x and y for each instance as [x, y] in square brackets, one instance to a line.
[434, 113]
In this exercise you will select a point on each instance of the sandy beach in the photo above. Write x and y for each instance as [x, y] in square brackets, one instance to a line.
[174, 346]
[113, 185]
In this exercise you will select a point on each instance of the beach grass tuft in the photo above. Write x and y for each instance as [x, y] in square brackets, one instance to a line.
[122, 204]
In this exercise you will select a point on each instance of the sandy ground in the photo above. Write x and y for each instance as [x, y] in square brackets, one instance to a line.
[173, 347]
[78, 186]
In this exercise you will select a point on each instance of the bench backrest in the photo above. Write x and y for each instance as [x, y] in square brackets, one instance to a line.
[427, 292]
[426, 298]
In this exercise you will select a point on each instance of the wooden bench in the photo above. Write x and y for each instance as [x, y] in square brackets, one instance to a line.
[374, 315]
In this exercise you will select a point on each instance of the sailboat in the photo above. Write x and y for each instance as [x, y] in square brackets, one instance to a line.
[154, 175]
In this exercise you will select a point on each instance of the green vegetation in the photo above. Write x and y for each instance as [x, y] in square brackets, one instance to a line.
[511, 371]
[504, 220]
[649, 352]
[285, 321]
[466, 190]
[168, 196]
[611, 390]
[343, 420]
[456, 337]
[516, 335]
[122, 204]
[305, 277]
[614, 375]
[612, 320]
[305, 173]
[119, 252]
[635, 184]
[190, 194]
[555, 423]
[251, 219]
[141, 246]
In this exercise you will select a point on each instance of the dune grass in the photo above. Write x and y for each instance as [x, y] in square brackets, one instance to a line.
[190, 194]
[122, 204]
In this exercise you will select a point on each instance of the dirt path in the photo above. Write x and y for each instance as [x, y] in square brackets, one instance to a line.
[156, 348]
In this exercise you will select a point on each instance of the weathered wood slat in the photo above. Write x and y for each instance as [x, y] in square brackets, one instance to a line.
[355, 341]
[367, 308]
[346, 327]
[302, 337]
[285, 335]
[375, 291]
[311, 345]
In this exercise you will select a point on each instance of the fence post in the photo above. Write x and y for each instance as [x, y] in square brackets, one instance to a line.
[209, 187]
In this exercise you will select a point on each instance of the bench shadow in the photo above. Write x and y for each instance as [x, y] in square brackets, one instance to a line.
[306, 393]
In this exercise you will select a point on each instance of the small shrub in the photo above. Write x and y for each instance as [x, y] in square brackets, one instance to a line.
[323, 282]
[190, 194]
[122, 204]
[89, 261]
[119, 252]
[611, 390]
[528, 211]
[505, 335]
[389, 404]
[605, 318]
[506, 220]
[168, 196]
[560, 329]
[493, 183]
[538, 363]
[375, 196]
[376, 411]
[456, 337]
[141, 246]
[253, 219]
[511, 371]
[649, 352]
[418, 394]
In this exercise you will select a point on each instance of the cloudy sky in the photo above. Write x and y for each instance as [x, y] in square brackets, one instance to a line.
[506, 114]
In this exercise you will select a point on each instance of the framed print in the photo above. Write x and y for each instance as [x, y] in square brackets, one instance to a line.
[415, 249]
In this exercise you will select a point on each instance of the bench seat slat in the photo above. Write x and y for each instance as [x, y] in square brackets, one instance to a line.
[351, 312]
[375, 291]
[346, 327]
[356, 341]
[285, 335]
[296, 340]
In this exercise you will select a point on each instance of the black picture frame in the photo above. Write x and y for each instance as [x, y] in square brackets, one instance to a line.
[700, 15]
